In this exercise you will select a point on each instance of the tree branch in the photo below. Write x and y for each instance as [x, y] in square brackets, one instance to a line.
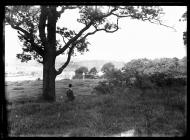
[120, 16]
[63, 8]
[28, 37]
[42, 25]
[82, 31]
[159, 22]
[20, 29]
[104, 29]
[71, 48]
[150, 19]
[73, 39]
[40, 61]
[64, 39]
[67, 61]
[109, 13]
[91, 33]
[34, 46]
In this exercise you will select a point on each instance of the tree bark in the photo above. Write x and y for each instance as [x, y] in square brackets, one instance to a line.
[49, 81]
[49, 72]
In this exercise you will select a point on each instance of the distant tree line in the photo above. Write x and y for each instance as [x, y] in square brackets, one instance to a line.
[145, 73]
[92, 73]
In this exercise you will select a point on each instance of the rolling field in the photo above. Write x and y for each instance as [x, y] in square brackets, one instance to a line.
[124, 113]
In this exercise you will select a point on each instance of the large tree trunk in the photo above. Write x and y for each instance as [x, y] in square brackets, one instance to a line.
[49, 72]
[49, 81]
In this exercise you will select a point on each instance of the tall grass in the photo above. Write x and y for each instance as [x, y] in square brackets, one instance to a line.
[150, 114]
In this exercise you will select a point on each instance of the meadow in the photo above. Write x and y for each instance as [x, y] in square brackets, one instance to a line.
[125, 111]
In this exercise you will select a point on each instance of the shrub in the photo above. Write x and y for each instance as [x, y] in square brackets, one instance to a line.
[164, 80]
[104, 87]
[143, 82]
[115, 77]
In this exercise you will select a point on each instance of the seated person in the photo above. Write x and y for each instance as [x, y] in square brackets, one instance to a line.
[70, 94]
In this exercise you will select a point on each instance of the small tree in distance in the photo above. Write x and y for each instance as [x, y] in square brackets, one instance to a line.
[81, 70]
[107, 67]
[93, 71]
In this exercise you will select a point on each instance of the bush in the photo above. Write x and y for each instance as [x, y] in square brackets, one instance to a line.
[115, 77]
[164, 80]
[104, 87]
[143, 82]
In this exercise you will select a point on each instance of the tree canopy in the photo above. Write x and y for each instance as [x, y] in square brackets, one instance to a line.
[81, 70]
[93, 71]
[171, 67]
[107, 67]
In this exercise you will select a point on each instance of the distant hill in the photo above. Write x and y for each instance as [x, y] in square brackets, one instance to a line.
[32, 66]
[16, 67]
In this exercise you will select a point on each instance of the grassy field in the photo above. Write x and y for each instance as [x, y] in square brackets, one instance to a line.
[125, 111]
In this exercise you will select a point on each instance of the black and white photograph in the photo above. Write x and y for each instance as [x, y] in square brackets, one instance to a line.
[95, 70]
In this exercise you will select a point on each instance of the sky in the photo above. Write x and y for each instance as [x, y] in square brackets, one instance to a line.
[135, 39]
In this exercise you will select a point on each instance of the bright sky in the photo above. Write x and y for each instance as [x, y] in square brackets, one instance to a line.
[135, 39]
